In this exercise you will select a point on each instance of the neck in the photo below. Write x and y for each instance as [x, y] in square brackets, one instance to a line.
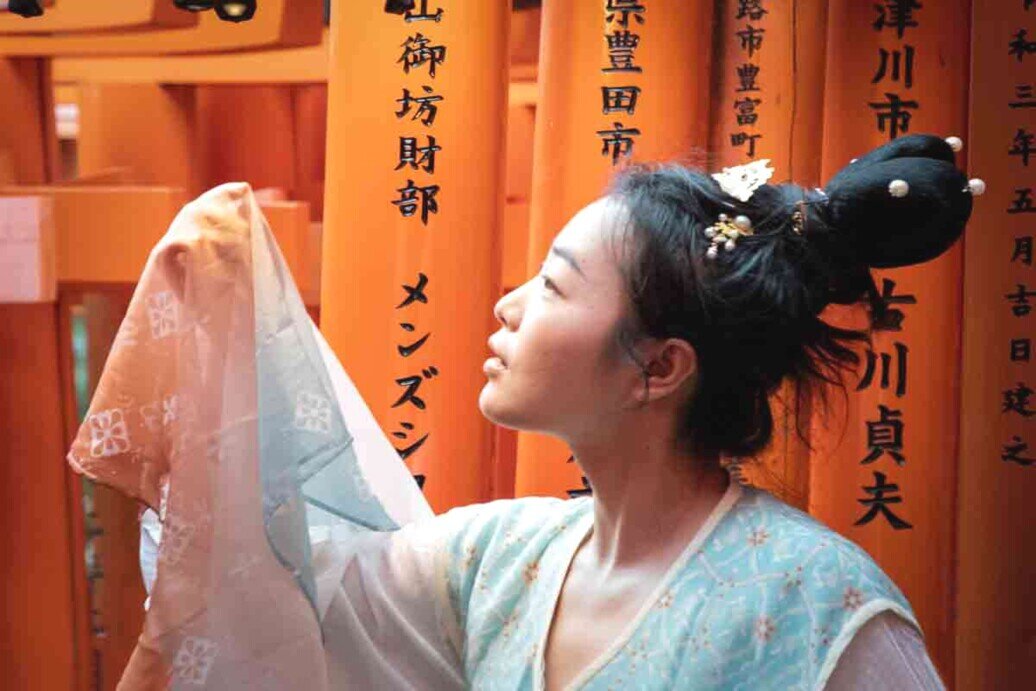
[649, 499]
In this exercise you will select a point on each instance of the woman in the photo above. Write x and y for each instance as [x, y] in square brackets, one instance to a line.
[664, 316]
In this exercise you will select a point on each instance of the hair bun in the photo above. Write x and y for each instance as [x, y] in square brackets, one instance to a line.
[919, 222]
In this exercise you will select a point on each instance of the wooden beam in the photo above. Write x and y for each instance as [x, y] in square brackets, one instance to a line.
[104, 234]
[77, 15]
[277, 24]
[294, 65]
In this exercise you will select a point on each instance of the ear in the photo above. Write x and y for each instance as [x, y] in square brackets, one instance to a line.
[673, 365]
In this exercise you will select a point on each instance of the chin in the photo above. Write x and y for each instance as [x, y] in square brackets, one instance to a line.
[503, 413]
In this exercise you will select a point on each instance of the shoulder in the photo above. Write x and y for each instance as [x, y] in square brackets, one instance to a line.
[784, 537]
[811, 587]
[501, 527]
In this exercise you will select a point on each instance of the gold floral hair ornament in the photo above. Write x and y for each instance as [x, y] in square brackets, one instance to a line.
[725, 232]
[742, 181]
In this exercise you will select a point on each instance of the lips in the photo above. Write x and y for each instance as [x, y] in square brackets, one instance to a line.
[496, 351]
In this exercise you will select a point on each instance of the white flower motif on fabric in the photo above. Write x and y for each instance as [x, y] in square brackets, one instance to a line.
[852, 599]
[764, 629]
[170, 409]
[194, 659]
[313, 413]
[159, 414]
[151, 416]
[163, 313]
[109, 435]
[758, 537]
[176, 536]
[531, 572]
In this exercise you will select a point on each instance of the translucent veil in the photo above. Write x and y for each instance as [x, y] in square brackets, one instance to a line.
[221, 407]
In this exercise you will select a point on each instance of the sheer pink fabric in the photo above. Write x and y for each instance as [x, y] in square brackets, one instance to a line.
[177, 408]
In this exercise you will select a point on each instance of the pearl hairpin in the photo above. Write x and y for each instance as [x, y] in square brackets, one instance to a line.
[725, 232]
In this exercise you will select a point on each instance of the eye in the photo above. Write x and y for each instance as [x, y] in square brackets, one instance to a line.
[549, 284]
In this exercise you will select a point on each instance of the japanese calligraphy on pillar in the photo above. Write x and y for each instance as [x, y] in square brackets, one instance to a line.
[421, 57]
[750, 20]
[894, 66]
[887, 367]
[620, 94]
[1017, 404]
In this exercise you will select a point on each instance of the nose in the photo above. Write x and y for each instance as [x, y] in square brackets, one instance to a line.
[508, 309]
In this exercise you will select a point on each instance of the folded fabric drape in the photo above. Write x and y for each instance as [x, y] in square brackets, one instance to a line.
[221, 407]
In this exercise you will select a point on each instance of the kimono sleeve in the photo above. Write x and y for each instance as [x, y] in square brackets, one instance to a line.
[388, 618]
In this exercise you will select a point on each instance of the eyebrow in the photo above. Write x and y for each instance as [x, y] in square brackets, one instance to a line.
[568, 257]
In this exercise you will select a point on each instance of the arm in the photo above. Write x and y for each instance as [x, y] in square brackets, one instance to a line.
[886, 653]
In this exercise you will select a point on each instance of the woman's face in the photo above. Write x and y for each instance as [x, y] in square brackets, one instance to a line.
[560, 369]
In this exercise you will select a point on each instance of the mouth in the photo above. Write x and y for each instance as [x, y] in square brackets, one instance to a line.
[496, 363]
[493, 365]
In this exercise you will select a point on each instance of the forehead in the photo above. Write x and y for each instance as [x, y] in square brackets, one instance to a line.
[589, 235]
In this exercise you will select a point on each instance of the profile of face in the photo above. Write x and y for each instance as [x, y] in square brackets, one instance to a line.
[560, 368]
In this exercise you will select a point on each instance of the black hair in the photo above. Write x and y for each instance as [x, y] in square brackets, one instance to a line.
[753, 313]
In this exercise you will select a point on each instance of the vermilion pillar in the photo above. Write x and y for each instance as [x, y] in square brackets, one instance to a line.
[413, 203]
[768, 104]
[28, 142]
[997, 478]
[634, 86]
[145, 128]
[885, 469]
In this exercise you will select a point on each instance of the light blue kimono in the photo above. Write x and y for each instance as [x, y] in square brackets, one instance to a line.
[763, 598]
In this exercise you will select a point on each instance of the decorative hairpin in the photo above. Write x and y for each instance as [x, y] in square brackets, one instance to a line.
[725, 232]
[741, 181]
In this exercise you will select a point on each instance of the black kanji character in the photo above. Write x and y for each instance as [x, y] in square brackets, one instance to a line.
[1023, 92]
[417, 52]
[1013, 451]
[1021, 349]
[885, 436]
[617, 142]
[889, 318]
[426, 108]
[409, 451]
[412, 384]
[886, 367]
[881, 496]
[621, 46]
[751, 39]
[1022, 145]
[746, 75]
[1020, 46]
[753, 9]
[1022, 203]
[898, 14]
[742, 138]
[616, 99]
[1022, 250]
[624, 9]
[894, 114]
[415, 293]
[895, 60]
[745, 109]
[407, 351]
[1016, 400]
[1020, 300]
[412, 197]
[423, 15]
[417, 157]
